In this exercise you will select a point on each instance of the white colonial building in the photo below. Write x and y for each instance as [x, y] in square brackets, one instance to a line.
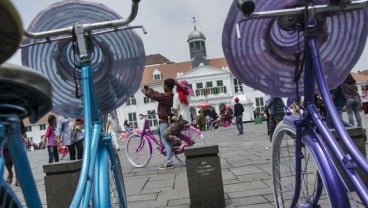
[210, 79]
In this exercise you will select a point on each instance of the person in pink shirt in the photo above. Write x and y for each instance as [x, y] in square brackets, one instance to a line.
[51, 139]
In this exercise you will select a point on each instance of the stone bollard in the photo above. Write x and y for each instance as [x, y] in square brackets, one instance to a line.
[204, 176]
[359, 137]
[61, 182]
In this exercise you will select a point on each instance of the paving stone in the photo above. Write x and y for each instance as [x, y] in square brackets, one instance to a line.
[142, 197]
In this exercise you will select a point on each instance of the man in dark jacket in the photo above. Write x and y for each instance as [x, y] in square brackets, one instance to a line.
[238, 114]
[165, 102]
[277, 111]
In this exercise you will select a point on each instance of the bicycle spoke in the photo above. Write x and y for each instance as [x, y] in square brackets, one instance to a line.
[283, 167]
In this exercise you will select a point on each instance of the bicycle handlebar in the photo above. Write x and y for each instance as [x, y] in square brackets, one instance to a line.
[87, 27]
[248, 7]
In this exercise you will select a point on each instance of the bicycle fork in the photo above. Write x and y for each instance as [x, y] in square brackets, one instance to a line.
[10, 129]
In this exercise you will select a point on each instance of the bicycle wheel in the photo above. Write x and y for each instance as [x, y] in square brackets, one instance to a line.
[8, 197]
[284, 172]
[138, 150]
[117, 183]
[195, 135]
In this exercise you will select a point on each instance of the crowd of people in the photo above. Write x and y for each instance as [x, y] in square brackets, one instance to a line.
[174, 113]
[345, 98]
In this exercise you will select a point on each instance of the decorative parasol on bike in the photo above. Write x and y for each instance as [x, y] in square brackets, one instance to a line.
[263, 57]
[117, 58]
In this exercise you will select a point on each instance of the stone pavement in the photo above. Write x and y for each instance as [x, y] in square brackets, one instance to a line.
[245, 164]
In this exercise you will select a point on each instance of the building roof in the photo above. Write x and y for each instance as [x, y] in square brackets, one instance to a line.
[196, 35]
[155, 59]
[171, 70]
[360, 76]
[42, 120]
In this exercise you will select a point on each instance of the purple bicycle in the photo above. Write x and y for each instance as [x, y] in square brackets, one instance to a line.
[139, 145]
[303, 47]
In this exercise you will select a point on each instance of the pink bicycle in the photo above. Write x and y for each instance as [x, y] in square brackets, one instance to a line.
[139, 145]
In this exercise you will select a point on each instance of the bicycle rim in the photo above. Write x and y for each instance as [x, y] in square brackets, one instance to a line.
[195, 135]
[284, 173]
[117, 183]
[138, 151]
[8, 197]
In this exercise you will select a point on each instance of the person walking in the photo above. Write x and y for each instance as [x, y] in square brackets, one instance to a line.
[8, 160]
[51, 139]
[353, 102]
[71, 134]
[364, 99]
[201, 120]
[165, 102]
[238, 113]
[277, 111]
[127, 127]
[208, 122]
[113, 129]
[339, 99]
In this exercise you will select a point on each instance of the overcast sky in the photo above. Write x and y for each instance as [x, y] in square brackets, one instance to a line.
[168, 23]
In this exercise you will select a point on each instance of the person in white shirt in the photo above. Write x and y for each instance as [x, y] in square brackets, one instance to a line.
[113, 129]
[71, 133]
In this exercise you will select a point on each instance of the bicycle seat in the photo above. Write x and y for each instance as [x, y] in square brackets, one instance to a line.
[264, 56]
[11, 30]
[24, 92]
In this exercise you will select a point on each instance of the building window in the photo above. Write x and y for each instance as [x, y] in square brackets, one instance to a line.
[147, 100]
[197, 46]
[156, 75]
[208, 84]
[42, 126]
[210, 91]
[132, 119]
[199, 85]
[28, 128]
[191, 47]
[238, 86]
[220, 83]
[131, 101]
[152, 118]
[259, 106]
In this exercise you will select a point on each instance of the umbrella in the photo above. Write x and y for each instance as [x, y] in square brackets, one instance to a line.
[204, 106]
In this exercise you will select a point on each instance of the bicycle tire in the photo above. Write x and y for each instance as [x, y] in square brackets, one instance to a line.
[117, 182]
[8, 197]
[138, 150]
[283, 171]
[196, 135]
